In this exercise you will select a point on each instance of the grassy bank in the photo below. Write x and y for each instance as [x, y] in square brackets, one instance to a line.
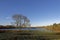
[27, 34]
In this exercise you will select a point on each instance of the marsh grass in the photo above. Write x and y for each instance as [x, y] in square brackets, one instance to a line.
[24, 34]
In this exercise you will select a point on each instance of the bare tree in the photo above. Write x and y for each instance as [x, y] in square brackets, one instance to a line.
[26, 21]
[20, 20]
[17, 18]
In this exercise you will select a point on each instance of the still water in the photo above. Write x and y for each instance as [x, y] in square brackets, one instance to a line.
[40, 29]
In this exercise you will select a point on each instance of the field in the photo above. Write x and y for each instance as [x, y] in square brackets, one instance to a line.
[28, 35]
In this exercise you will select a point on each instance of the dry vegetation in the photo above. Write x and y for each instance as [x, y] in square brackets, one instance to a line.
[55, 27]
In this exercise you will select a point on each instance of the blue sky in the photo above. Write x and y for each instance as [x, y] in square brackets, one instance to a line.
[40, 12]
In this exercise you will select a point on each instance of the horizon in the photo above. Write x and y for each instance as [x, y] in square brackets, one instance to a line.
[40, 12]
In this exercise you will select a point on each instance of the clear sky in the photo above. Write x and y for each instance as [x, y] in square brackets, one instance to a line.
[40, 12]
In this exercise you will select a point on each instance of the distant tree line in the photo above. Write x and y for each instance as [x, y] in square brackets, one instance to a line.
[6, 27]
